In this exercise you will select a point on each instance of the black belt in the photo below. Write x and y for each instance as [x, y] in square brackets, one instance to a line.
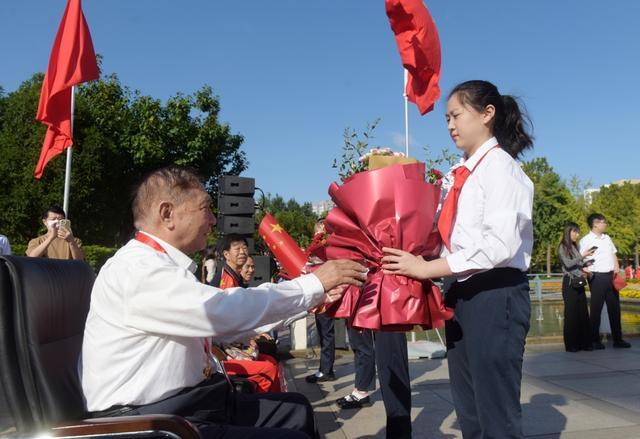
[487, 280]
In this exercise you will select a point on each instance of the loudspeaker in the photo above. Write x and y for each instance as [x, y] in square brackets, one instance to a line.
[263, 271]
[235, 205]
[236, 224]
[234, 185]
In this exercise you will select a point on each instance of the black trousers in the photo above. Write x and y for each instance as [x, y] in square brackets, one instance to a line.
[219, 413]
[387, 351]
[601, 286]
[392, 360]
[364, 359]
[577, 328]
[327, 336]
[485, 344]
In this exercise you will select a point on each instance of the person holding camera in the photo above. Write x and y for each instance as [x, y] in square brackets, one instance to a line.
[605, 264]
[58, 242]
[577, 328]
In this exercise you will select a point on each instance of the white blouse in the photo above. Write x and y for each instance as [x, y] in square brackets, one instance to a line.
[493, 226]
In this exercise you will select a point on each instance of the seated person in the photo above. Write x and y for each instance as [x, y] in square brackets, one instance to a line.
[235, 251]
[145, 347]
[58, 242]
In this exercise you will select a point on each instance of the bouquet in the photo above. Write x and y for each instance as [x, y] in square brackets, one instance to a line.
[390, 204]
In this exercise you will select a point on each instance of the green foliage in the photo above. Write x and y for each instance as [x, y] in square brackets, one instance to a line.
[19, 249]
[298, 220]
[553, 206]
[119, 135]
[96, 255]
[620, 204]
[354, 147]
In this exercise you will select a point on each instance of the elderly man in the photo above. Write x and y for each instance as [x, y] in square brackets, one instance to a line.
[235, 251]
[146, 337]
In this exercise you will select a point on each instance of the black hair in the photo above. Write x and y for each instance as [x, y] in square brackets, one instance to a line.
[595, 217]
[511, 124]
[566, 242]
[54, 209]
[230, 239]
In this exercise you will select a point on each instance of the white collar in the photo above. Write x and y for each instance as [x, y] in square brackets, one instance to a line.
[602, 235]
[472, 161]
[178, 257]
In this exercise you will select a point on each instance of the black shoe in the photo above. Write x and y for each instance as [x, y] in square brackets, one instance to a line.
[598, 345]
[587, 348]
[319, 379]
[571, 349]
[353, 402]
[621, 344]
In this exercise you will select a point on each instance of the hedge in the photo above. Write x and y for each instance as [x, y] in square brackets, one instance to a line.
[95, 255]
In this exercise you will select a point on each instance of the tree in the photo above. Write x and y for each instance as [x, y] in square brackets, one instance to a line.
[119, 135]
[298, 220]
[620, 204]
[553, 206]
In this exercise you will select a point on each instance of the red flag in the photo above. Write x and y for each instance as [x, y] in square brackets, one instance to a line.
[72, 62]
[284, 248]
[419, 46]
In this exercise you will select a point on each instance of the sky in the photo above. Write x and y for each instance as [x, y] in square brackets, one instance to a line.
[291, 75]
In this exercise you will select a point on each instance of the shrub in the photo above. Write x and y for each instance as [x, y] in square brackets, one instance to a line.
[630, 294]
[96, 255]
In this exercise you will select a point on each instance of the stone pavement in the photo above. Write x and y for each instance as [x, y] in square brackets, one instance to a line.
[586, 395]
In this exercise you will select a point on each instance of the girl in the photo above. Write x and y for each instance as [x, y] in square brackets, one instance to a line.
[577, 329]
[485, 225]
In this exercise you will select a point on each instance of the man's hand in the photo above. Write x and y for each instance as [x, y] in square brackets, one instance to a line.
[334, 294]
[65, 234]
[52, 232]
[340, 272]
[589, 252]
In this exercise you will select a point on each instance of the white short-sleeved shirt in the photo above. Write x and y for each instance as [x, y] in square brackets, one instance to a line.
[605, 254]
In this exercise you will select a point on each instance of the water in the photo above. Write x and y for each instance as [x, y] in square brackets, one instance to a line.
[547, 319]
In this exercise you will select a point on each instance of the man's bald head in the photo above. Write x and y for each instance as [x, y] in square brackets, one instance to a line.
[172, 184]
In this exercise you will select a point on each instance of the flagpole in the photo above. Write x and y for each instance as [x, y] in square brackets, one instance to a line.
[67, 172]
[406, 113]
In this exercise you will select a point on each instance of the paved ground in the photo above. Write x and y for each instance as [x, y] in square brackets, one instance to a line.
[586, 395]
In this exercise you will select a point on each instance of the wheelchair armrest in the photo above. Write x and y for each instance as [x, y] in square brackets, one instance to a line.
[129, 424]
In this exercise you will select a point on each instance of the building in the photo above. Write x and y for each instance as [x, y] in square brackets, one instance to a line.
[322, 207]
[588, 193]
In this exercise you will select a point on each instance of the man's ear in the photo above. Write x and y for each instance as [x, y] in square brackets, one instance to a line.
[165, 209]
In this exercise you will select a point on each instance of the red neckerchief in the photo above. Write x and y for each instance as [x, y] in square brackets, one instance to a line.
[449, 208]
[148, 240]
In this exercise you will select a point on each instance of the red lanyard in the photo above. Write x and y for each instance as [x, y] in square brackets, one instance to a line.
[148, 240]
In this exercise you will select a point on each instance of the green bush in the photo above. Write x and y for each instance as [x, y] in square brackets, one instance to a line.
[19, 249]
[96, 255]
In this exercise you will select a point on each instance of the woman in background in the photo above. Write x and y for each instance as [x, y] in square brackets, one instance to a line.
[577, 329]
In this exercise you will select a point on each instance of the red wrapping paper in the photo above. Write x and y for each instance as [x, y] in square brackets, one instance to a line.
[282, 246]
[387, 207]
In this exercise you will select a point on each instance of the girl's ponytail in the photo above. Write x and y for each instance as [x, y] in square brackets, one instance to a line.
[511, 127]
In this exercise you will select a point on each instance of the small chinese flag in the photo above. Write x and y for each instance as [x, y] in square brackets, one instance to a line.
[419, 47]
[282, 246]
[72, 62]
